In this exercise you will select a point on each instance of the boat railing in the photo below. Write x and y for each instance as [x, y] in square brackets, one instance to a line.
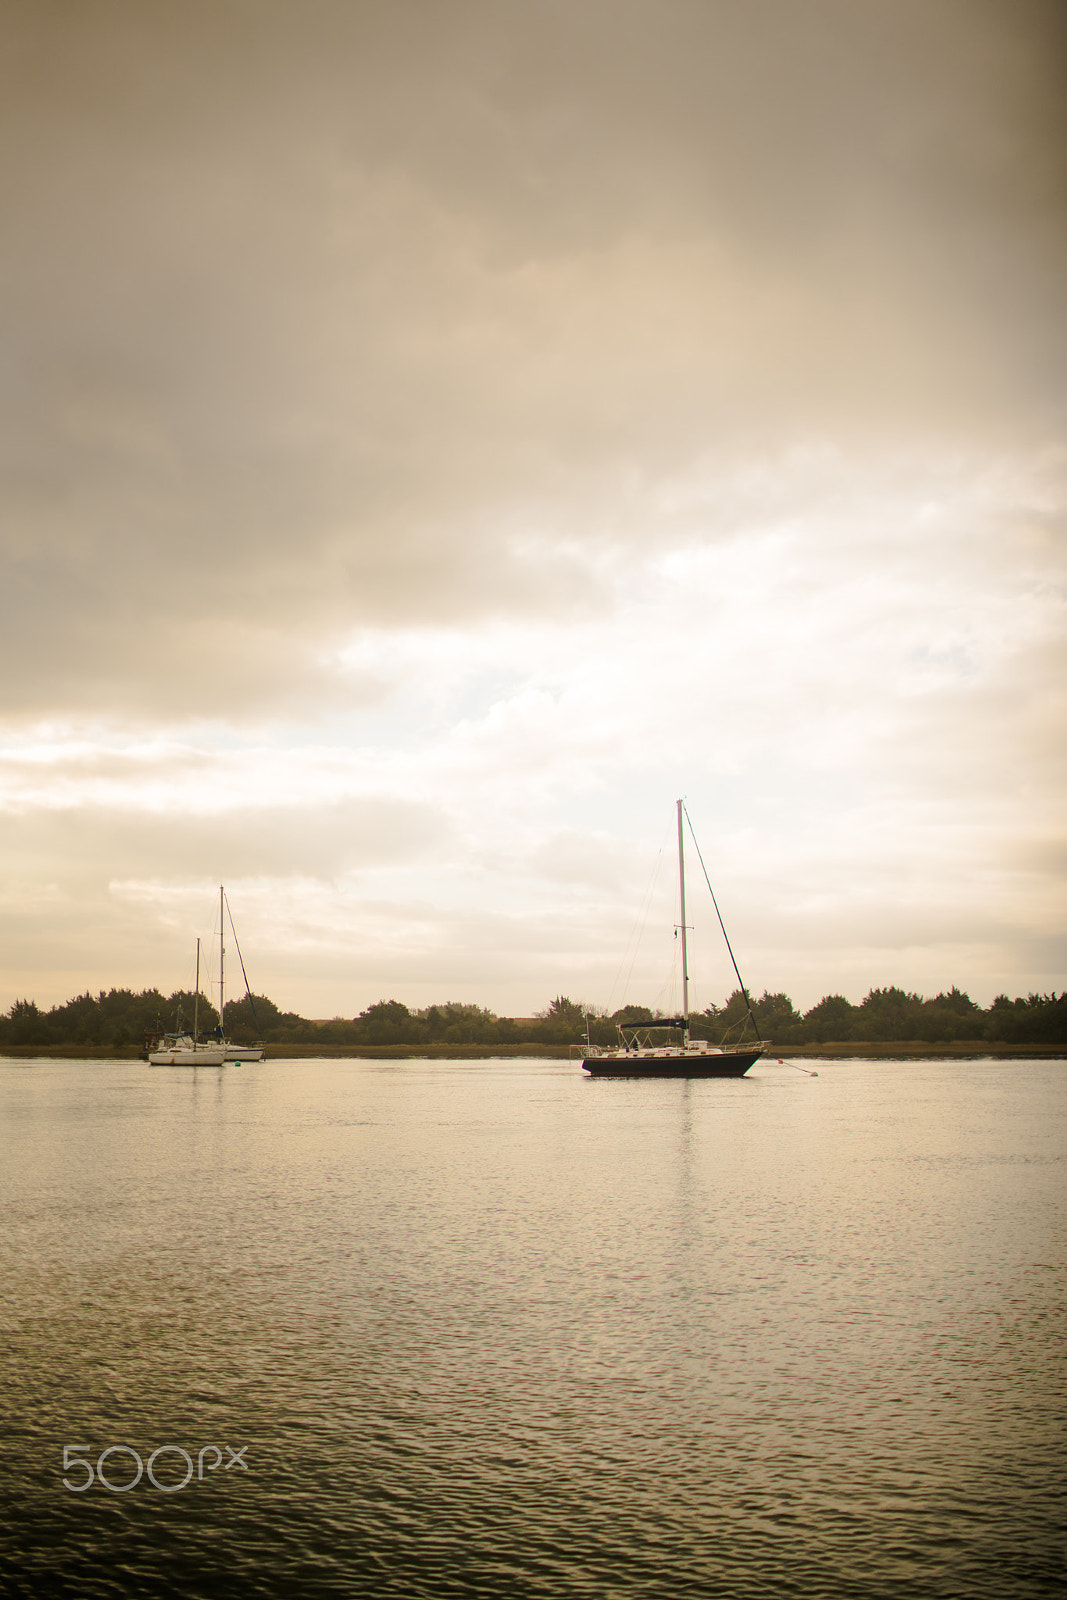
[735, 1036]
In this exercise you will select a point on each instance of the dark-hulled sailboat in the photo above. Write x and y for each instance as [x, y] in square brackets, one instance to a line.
[663, 1048]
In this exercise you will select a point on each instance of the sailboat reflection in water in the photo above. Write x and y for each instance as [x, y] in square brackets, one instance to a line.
[663, 1048]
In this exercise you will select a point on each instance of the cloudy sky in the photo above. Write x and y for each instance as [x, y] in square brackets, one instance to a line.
[437, 434]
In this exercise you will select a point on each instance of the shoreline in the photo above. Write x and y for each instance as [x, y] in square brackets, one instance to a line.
[899, 1050]
[913, 1049]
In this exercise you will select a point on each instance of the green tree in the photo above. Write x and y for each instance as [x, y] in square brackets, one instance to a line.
[955, 1000]
[633, 1014]
[832, 1019]
[1039, 1019]
[950, 1016]
[564, 1021]
[253, 1017]
[889, 1014]
[463, 1023]
[27, 1025]
[386, 1022]
[777, 1018]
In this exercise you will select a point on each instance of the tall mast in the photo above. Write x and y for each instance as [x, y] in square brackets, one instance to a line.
[222, 962]
[681, 892]
[196, 998]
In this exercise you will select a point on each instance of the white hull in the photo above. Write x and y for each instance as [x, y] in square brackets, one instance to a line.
[205, 1055]
[244, 1052]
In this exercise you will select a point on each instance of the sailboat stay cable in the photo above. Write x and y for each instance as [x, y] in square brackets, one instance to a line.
[664, 1002]
[637, 933]
[722, 925]
[241, 959]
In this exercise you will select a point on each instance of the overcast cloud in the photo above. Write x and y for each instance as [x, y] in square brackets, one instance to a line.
[435, 436]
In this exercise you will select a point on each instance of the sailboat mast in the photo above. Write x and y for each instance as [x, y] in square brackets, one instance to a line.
[196, 999]
[222, 963]
[681, 892]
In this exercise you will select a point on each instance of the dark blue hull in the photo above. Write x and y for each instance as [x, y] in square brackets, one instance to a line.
[634, 1064]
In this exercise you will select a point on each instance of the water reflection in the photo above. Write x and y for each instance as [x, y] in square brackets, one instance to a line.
[494, 1329]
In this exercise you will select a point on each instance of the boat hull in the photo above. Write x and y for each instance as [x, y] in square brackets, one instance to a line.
[244, 1052]
[671, 1064]
[204, 1056]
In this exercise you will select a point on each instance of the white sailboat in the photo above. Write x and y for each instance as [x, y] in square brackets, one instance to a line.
[180, 1049]
[188, 1049]
[639, 1054]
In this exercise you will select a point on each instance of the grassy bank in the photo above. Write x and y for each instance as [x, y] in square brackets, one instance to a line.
[856, 1049]
[415, 1052]
[309, 1052]
[910, 1049]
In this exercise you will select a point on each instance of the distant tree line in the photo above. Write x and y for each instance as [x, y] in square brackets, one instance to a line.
[120, 1019]
[891, 1014]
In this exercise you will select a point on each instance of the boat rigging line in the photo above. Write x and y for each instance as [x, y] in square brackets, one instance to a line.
[722, 925]
[633, 944]
[805, 1070]
[241, 959]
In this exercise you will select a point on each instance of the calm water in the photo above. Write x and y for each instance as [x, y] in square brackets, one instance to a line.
[493, 1328]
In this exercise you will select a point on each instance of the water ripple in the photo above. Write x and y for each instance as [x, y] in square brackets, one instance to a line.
[497, 1331]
